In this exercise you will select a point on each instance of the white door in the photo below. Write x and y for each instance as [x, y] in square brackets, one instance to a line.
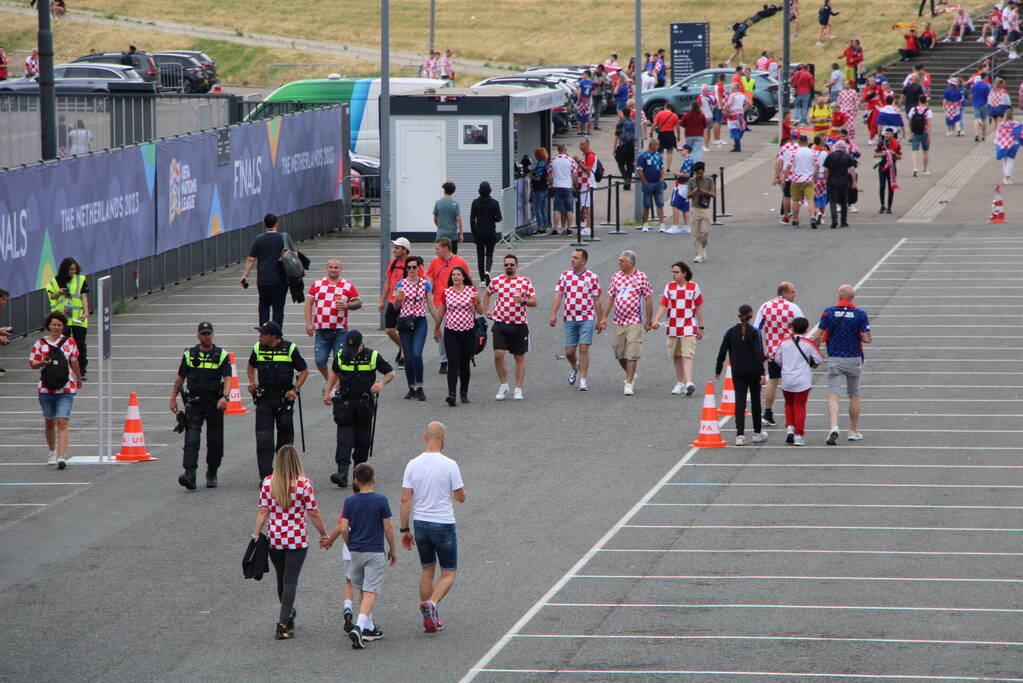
[421, 168]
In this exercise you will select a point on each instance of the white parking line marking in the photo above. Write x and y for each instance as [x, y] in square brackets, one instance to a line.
[836, 505]
[840, 485]
[779, 577]
[708, 672]
[854, 464]
[46, 483]
[800, 639]
[22, 505]
[815, 526]
[782, 551]
[732, 605]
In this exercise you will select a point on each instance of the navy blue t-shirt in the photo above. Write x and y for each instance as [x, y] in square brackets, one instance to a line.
[844, 325]
[366, 513]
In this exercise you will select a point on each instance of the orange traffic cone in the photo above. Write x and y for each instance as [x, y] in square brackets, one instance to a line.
[234, 403]
[997, 208]
[133, 442]
[727, 408]
[710, 433]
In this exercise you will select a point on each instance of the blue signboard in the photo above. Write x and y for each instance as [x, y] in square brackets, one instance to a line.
[690, 48]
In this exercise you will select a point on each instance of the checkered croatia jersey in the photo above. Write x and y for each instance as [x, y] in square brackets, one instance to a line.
[628, 292]
[286, 528]
[505, 289]
[682, 302]
[773, 320]
[458, 312]
[579, 291]
[324, 293]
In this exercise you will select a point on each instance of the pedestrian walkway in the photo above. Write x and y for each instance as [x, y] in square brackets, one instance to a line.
[894, 557]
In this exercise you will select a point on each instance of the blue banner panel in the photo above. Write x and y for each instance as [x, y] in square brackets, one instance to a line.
[275, 166]
[97, 208]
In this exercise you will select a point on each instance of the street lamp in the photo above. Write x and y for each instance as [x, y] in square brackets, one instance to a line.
[638, 109]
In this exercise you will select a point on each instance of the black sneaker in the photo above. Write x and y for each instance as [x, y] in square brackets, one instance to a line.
[356, 635]
[795, 224]
[411, 393]
[768, 417]
[187, 480]
[369, 635]
[349, 624]
[282, 633]
[832, 437]
[444, 368]
[2, 372]
[464, 398]
[420, 394]
[211, 481]
[291, 620]
[340, 478]
[451, 400]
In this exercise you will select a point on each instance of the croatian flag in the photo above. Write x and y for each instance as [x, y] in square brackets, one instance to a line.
[889, 117]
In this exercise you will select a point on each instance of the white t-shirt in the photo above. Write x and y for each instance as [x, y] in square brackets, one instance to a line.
[838, 80]
[649, 81]
[562, 168]
[796, 374]
[802, 165]
[432, 477]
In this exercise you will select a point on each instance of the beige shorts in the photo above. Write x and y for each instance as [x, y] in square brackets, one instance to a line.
[802, 191]
[681, 346]
[628, 341]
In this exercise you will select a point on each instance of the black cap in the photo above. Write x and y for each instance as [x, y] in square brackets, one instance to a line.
[205, 327]
[353, 340]
[269, 327]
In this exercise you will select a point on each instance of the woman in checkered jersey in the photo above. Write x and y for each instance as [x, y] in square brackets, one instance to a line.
[285, 498]
[457, 313]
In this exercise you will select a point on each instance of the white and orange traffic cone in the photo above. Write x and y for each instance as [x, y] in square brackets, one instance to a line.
[133, 442]
[710, 432]
[997, 207]
[234, 403]
[727, 408]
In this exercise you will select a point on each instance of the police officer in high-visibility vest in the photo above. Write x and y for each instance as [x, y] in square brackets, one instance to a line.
[68, 293]
[354, 374]
[274, 391]
[207, 370]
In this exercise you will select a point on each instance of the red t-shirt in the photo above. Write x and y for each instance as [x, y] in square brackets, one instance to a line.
[665, 121]
[910, 41]
[395, 272]
[850, 56]
[439, 272]
[803, 80]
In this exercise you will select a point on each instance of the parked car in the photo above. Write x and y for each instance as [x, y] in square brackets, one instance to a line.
[560, 115]
[143, 62]
[765, 94]
[204, 59]
[193, 77]
[83, 78]
[367, 169]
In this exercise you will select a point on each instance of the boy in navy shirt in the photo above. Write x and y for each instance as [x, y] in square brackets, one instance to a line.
[364, 524]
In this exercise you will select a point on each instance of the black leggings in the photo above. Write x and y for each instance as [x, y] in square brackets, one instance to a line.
[288, 565]
[484, 254]
[458, 345]
[742, 385]
[78, 334]
[885, 178]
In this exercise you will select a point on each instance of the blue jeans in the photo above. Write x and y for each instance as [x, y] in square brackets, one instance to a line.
[436, 542]
[412, 344]
[323, 350]
[697, 144]
[543, 220]
[800, 108]
[653, 194]
[56, 406]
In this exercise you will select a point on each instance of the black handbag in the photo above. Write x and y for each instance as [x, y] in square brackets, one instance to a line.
[290, 260]
[406, 323]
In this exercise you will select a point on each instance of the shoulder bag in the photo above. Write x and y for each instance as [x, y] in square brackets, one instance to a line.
[290, 259]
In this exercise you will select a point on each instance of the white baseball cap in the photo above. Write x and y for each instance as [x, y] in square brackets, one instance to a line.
[402, 242]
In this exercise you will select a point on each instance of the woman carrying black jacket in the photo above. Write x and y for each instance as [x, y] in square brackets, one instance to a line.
[745, 351]
[484, 215]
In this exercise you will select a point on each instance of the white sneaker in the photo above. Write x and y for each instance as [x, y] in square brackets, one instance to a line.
[740, 440]
[661, 228]
[914, 172]
[51, 459]
[799, 440]
[502, 392]
[583, 386]
[628, 390]
[686, 230]
[640, 226]
[679, 388]
[925, 172]
[853, 209]
[572, 375]
[586, 232]
[646, 228]
[760, 437]
[854, 436]
[698, 259]
[517, 396]
[674, 230]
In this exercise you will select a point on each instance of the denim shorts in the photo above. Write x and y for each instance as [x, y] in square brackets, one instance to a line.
[717, 115]
[980, 112]
[653, 194]
[436, 542]
[563, 200]
[56, 406]
[578, 332]
[325, 350]
[920, 140]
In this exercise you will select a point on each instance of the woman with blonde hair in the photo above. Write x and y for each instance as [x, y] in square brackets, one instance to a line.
[285, 498]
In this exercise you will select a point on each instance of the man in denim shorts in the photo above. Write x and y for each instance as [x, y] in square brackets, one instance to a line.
[430, 482]
[846, 329]
[579, 288]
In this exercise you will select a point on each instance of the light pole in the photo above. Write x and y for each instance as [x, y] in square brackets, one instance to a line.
[638, 109]
[433, 22]
[785, 50]
[47, 94]
[385, 140]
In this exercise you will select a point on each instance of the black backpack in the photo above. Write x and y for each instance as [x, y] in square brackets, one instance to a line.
[479, 335]
[56, 373]
[917, 122]
[598, 171]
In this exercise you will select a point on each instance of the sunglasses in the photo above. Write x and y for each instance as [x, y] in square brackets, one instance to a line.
[413, 267]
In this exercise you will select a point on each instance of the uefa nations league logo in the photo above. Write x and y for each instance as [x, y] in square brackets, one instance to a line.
[174, 198]
[182, 192]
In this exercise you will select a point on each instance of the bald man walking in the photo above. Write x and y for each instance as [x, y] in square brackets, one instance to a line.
[432, 480]
[846, 329]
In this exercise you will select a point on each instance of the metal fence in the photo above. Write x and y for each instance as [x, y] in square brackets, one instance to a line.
[172, 77]
[137, 278]
[112, 120]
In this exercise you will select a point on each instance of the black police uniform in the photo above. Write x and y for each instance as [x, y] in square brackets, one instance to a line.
[204, 373]
[276, 367]
[354, 408]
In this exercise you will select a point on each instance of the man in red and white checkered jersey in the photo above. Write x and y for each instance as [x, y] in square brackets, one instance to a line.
[513, 294]
[683, 302]
[332, 297]
[783, 175]
[579, 289]
[773, 318]
[631, 310]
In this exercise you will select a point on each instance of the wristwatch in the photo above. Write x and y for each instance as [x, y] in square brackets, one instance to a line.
[403, 530]
[701, 327]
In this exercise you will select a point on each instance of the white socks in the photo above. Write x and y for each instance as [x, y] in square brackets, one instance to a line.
[364, 622]
[348, 604]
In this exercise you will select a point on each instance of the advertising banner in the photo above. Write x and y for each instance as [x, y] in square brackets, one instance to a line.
[690, 48]
[275, 166]
[97, 208]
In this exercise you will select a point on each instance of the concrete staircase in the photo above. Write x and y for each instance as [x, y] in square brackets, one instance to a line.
[947, 58]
